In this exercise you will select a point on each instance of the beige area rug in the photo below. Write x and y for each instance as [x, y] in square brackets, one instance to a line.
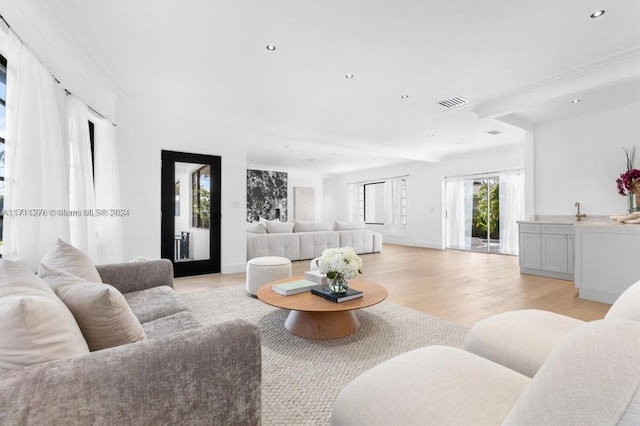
[301, 378]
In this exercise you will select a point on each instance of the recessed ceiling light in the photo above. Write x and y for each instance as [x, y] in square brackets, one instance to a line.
[349, 76]
[271, 47]
[597, 13]
[404, 96]
[575, 101]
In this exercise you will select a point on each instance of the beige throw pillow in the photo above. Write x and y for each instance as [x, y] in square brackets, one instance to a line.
[67, 258]
[35, 326]
[301, 226]
[256, 228]
[104, 317]
[277, 227]
[344, 226]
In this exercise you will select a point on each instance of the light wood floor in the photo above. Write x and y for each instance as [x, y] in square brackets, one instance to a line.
[463, 287]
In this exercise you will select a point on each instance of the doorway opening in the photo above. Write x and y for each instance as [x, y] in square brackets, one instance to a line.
[481, 212]
[190, 234]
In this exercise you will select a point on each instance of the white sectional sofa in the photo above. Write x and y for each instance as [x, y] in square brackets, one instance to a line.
[306, 240]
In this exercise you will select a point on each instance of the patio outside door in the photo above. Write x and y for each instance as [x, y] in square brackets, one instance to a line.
[481, 212]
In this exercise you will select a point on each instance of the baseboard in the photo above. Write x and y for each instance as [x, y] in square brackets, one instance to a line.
[412, 243]
[597, 296]
[233, 268]
[548, 274]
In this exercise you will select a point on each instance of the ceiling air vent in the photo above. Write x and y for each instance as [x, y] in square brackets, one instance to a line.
[494, 132]
[454, 102]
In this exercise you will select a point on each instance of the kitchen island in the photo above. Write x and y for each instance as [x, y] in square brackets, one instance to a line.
[607, 259]
[602, 257]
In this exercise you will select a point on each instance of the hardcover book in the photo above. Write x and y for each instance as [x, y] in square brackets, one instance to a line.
[316, 276]
[293, 287]
[324, 291]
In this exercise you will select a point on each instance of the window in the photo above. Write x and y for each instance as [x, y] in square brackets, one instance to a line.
[374, 203]
[3, 102]
[176, 203]
[200, 197]
[382, 203]
[360, 203]
[403, 201]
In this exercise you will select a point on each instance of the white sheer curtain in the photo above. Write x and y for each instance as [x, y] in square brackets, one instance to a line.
[353, 202]
[511, 210]
[393, 207]
[107, 190]
[457, 223]
[35, 163]
[81, 192]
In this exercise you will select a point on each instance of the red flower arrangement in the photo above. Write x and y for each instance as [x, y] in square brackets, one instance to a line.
[627, 180]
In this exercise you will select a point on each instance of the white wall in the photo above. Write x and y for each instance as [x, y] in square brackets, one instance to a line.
[575, 159]
[296, 178]
[423, 201]
[146, 128]
[579, 159]
[424, 190]
[491, 160]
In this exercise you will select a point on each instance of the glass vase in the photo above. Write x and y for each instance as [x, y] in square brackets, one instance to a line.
[338, 285]
[633, 207]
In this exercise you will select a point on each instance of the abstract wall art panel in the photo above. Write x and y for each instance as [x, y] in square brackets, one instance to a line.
[266, 195]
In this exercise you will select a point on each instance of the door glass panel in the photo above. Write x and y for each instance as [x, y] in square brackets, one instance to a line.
[192, 209]
[485, 232]
[473, 214]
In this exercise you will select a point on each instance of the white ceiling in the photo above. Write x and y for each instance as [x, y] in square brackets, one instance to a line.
[300, 111]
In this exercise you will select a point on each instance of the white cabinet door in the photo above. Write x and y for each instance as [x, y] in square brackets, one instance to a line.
[570, 254]
[530, 251]
[554, 253]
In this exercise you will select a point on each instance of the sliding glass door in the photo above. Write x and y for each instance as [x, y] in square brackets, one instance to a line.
[485, 229]
[481, 211]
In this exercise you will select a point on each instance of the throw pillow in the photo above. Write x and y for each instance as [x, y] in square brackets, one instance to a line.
[104, 317]
[277, 227]
[65, 257]
[345, 226]
[35, 325]
[256, 228]
[301, 226]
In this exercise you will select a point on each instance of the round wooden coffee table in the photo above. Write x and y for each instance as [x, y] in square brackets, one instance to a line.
[313, 317]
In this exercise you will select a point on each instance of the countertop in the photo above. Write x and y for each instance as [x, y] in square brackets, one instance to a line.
[588, 221]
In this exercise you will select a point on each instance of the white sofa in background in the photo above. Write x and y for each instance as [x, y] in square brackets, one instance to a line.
[306, 240]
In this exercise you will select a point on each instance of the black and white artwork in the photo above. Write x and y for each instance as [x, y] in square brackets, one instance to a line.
[266, 195]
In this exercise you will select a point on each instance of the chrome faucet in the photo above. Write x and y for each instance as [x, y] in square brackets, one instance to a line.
[578, 215]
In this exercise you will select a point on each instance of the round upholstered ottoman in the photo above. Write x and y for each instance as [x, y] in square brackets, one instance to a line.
[261, 270]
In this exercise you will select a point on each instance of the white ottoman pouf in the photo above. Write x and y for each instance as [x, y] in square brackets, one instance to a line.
[261, 270]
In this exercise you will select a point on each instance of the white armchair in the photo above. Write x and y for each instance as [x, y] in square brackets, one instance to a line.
[522, 340]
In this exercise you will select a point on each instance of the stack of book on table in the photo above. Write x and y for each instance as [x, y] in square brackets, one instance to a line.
[324, 291]
[294, 287]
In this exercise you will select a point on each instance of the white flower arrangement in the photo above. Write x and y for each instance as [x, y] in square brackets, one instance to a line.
[340, 262]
